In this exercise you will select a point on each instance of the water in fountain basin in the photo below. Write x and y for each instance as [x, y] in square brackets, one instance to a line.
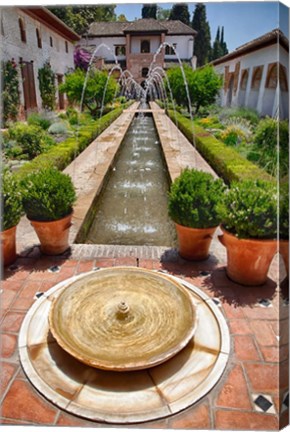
[132, 209]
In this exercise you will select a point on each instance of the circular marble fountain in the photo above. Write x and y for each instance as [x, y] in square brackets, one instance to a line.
[79, 348]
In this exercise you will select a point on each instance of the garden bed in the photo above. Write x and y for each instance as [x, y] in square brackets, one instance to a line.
[226, 161]
[60, 155]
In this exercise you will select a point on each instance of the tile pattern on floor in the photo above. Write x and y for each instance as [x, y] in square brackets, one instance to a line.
[253, 391]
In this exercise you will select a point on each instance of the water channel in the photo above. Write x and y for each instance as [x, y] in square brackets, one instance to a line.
[132, 208]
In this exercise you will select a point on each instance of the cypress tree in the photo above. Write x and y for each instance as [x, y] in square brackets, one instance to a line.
[217, 49]
[149, 11]
[224, 47]
[180, 12]
[202, 45]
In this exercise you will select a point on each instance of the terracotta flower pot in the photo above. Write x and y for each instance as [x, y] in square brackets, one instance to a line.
[194, 243]
[53, 236]
[284, 252]
[8, 245]
[248, 259]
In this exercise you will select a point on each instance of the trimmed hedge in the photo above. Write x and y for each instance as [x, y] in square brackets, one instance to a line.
[227, 163]
[59, 156]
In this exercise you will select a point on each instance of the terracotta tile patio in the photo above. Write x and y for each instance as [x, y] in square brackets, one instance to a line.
[257, 369]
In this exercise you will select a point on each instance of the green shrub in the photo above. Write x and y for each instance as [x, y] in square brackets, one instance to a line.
[266, 152]
[225, 160]
[193, 199]
[240, 112]
[36, 119]
[47, 87]
[12, 209]
[58, 128]
[28, 137]
[249, 209]
[48, 195]
[72, 115]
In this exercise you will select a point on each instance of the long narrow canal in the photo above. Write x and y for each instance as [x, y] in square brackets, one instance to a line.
[132, 208]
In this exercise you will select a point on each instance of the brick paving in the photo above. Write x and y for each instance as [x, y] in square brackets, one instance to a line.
[258, 365]
[257, 357]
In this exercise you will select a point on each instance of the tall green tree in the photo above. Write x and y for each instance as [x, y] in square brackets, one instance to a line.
[219, 46]
[149, 11]
[94, 91]
[78, 18]
[223, 43]
[122, 18]
[163, 14]
[202, 41]
[203, 85]
[180, 12]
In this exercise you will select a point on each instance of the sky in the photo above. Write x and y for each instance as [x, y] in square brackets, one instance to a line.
[242, 21]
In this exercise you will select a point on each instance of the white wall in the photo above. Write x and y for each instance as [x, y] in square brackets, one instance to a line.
[136, 43]
[265, 101]
[106, 46]
[184, 46]
[11, 46]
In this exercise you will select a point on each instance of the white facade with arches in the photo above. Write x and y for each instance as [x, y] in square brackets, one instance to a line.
[256, 76]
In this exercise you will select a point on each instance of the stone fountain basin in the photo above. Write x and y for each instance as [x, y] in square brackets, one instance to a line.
[123, 319]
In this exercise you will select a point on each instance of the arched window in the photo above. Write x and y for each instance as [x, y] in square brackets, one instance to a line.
[38, 37]
[22, 30]
[145, 46]
[283, 78]
[145, 72]
[244, 79]
[257, 76]
[272, 77]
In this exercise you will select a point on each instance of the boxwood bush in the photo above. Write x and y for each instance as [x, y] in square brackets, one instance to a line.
[12, 209]
[47, 195]
[249, 209]
[225, 160]
[193, 199]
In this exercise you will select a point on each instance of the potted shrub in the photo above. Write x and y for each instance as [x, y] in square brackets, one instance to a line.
[193, 200]
[249, 223]
[48, 198]
[12, 212]
[284, 224]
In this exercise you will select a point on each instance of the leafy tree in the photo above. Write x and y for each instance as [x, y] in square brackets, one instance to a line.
[202, 42]
[149, 11]
[122, 18]
[79, 18]
[203, 85]
[94, 91]
[180, 12]
[163, 14]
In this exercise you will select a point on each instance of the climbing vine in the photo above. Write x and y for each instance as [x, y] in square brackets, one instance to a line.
[47, 86]
[10, 95]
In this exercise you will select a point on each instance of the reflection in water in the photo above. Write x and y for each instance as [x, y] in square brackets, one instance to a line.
[132, 209]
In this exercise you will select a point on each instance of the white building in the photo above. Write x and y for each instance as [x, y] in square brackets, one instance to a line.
[256, 75]
[32, 36]
[135, 43]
